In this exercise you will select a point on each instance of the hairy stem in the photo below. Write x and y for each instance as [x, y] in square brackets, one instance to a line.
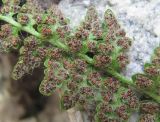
[124, 80]
[60, 45]
[131, 83]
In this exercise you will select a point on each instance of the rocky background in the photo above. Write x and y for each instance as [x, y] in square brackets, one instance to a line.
[140, 19]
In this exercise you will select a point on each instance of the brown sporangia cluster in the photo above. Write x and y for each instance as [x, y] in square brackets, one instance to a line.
[9, 38]
[149, 111]
[143, 81]
[27, 61]
[117, 104]
[78, 63]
